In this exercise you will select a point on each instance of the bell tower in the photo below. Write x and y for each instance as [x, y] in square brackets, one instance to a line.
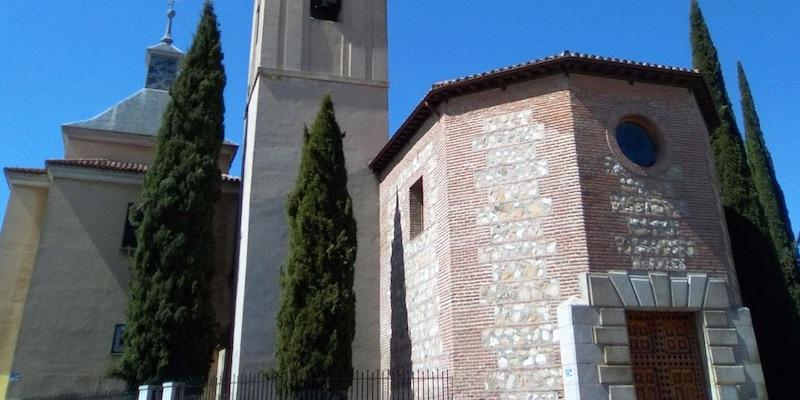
[302, 49]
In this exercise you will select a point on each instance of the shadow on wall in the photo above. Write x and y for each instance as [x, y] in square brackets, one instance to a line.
[400, 341]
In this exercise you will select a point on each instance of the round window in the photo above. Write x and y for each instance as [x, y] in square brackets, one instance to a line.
[637, 143]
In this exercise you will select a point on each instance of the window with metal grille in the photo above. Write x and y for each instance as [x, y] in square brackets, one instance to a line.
[129, 234]
[118, 344]
[416, 208]
[327, 10]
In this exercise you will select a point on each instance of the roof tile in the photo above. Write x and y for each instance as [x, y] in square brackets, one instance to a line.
[113, 165]
[564, 62]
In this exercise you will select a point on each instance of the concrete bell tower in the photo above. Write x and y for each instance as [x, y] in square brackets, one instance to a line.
[302, 49]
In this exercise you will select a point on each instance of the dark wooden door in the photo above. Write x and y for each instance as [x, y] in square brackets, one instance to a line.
[666, 357]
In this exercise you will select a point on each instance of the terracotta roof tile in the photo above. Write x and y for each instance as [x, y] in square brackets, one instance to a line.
[20, 170]
[113, 165]
[564, 54]
[565, 63]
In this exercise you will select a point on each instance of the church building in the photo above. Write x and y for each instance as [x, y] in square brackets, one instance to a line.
[548, 230]
[66, 244]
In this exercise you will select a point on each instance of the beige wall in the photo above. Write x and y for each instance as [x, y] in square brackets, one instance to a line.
[77, 147]
[294, 61]
[289, 40]
[78, 286]
[128, 147]
[273, 143]
[18, 242]
[77, 291]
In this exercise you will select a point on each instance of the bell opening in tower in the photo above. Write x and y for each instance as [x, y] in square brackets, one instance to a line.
[327, 10]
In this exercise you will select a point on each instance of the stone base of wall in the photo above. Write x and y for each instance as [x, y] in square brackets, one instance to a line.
[595, 352]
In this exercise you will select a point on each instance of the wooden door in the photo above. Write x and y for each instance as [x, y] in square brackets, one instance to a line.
[666, 357]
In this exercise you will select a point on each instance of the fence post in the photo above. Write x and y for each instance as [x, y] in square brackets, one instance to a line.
[172, 390]
[147, 392]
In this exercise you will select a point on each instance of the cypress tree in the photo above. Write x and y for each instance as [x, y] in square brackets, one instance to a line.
[761, 278]
[316, 321]
[171, 331]
[767, 187]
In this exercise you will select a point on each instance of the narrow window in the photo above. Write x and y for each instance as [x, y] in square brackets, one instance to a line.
[118, 344]
[129, 234]
[416, 208]
[327, 10]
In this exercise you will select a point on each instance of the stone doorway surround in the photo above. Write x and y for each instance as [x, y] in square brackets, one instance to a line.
[595, 352]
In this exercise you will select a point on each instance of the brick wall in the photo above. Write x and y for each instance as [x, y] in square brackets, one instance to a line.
[664, 218]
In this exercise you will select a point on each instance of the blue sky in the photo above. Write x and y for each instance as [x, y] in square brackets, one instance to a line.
[69, 60]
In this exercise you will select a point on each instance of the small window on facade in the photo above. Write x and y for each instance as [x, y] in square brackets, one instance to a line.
[637, 143]
[416, 208]
[129, 234]
[327, 10]
[118, 344]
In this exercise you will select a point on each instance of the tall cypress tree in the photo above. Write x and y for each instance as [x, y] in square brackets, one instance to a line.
[764, 289]
[171, 330]
[769, 190]
[316, 321]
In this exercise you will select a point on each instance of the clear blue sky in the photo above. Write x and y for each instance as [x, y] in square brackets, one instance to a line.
[68, 60]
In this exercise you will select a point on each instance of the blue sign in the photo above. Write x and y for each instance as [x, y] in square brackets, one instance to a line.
[14, 377]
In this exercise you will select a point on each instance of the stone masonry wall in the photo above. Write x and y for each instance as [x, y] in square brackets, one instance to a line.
[516, 240]
[421, 264]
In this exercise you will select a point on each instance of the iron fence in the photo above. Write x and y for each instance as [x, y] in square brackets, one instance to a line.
[364, 385]
[96, 395]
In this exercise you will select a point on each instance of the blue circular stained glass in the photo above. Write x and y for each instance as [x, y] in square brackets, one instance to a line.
[637, 144]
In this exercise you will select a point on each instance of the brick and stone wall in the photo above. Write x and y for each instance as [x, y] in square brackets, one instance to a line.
[502, 217]
[413, 269]
[526, 193]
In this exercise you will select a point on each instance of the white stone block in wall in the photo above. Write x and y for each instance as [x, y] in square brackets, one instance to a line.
[680, 291]
[644, 291]
[722, 337]
[722, 355]
[621, 392]
[715, 319]
[610, 336]
[624, 288]
[717, 294]
[602, 291]
[617, 355]
[610, 374]
[729, 375]
[661, 289]
[612, 317]
[697, 289]
[728, 392]
[575, 312]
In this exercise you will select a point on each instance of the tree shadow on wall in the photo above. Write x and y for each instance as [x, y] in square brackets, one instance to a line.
[400, 341]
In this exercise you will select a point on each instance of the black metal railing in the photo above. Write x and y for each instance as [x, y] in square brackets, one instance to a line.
[364, 385]
[96, 395]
